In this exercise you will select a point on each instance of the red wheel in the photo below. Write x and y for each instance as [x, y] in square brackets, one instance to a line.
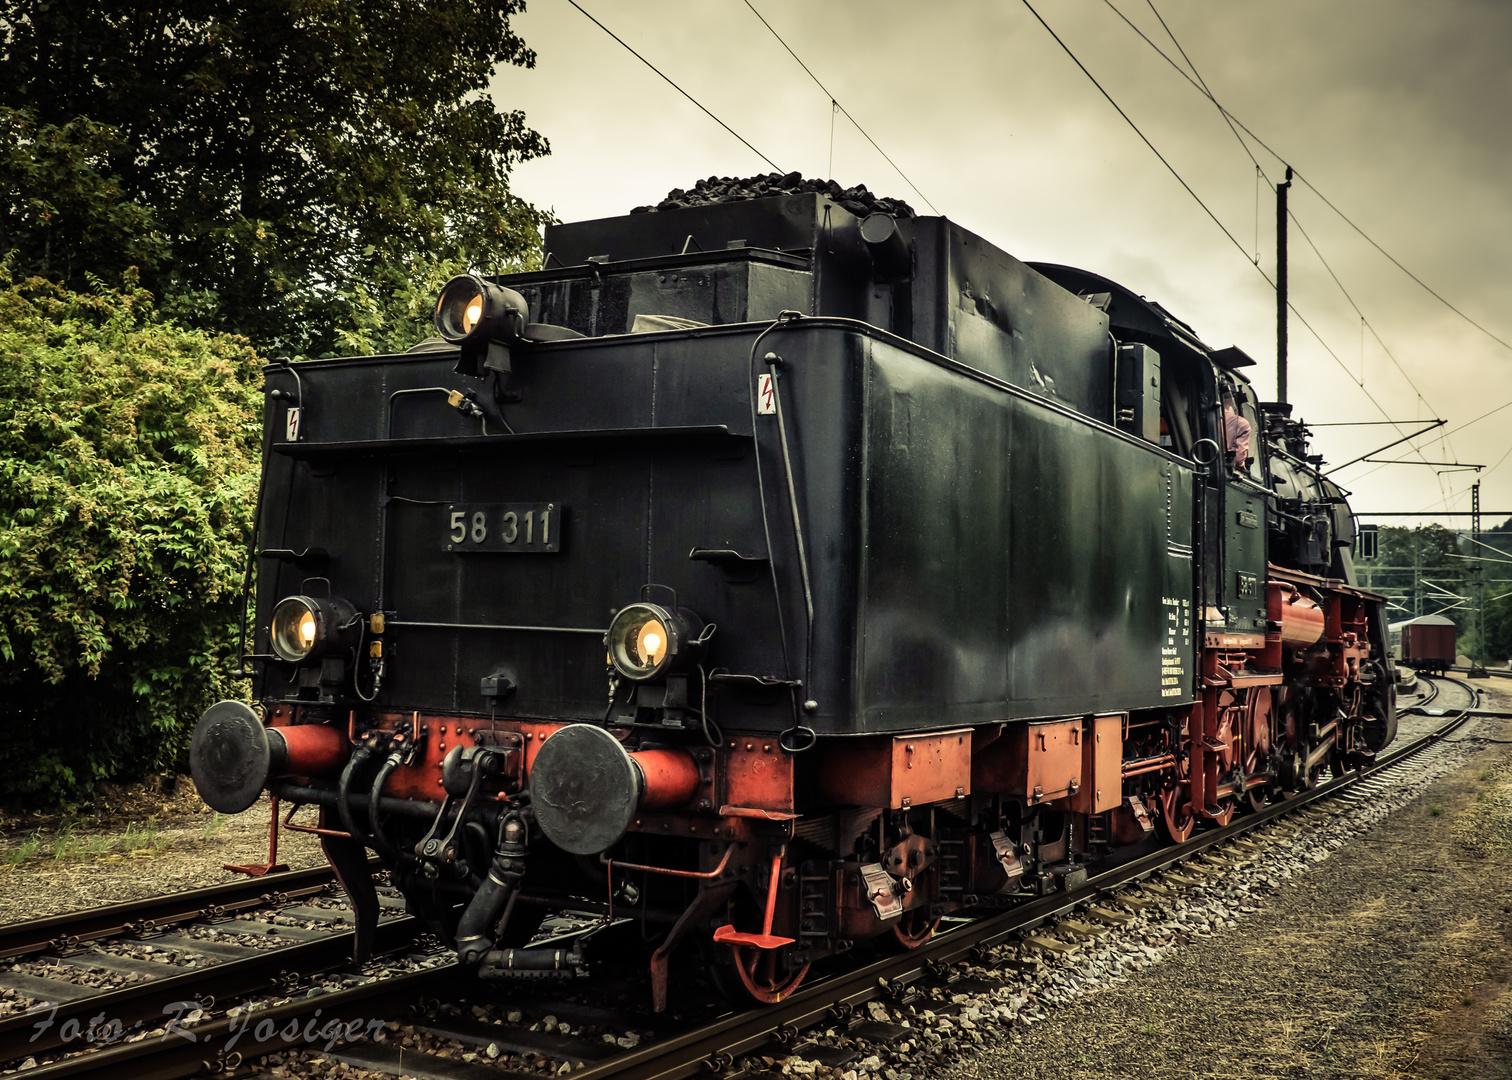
[1255, 796]
[914, 928]
[757, 970]
[1225, 813]
[1176, 818]
[1257, 743]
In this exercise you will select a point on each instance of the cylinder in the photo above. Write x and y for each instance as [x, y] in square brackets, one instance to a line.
[1300, 620]
[892, 261]
[670, 778]
[307, 750]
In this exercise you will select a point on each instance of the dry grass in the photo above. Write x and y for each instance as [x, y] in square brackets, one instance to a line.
[77, 842]
[147, 841]
[1484, 828]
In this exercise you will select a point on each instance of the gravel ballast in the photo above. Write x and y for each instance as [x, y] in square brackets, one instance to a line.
[1389, 957]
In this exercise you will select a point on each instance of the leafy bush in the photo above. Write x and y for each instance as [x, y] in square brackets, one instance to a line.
[128, 473]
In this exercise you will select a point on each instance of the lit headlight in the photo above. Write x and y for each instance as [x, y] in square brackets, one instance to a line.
[646, 640]
[471, 311]
[308, 627]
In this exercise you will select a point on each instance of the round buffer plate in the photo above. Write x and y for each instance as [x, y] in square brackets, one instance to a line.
[584, 789]
[229, 757]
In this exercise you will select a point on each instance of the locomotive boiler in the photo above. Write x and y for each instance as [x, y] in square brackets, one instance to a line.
[786, 573]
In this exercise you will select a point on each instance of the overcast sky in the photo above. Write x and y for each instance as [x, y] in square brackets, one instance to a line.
[1398, 112]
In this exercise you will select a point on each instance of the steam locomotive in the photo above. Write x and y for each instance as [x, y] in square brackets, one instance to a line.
[787, 573]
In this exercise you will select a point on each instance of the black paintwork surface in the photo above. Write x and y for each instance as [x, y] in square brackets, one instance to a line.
[976, 551]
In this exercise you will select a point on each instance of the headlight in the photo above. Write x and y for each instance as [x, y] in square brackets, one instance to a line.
[471, 311]
[308, 627]
[646, 640]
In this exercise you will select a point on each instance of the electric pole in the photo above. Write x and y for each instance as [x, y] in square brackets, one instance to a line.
[1281, 190]
[1478, 661]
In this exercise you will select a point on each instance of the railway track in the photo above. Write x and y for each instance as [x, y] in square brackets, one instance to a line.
[142, 916]
[1492, 673]
[311, 1000]
[127, 962]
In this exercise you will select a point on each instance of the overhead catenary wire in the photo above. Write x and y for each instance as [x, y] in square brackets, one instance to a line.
[1365, 321]
[1195, 79]
[1129, 120]
[1297, 174]
[1198, 199]
[1425, 286]
[1204, 86]
[1207, 92]
[674, 86]
[835, 105]
[1233, 121]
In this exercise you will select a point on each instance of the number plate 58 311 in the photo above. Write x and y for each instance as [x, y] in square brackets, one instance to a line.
[504, 527]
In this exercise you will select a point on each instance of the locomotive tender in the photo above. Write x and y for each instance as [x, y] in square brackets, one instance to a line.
[785, 576]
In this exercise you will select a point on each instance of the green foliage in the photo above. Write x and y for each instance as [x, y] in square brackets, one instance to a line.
[305, 173]
[60, 203]
[1498, 592]
[128, 473]
[270, 165]
[1420, 566]
[1431, 571]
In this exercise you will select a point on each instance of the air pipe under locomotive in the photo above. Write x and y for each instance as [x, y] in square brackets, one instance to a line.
[786, 573]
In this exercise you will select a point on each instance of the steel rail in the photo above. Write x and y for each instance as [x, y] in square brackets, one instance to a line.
[221, 1045]
[144, 1005]
[172, 1051]
[1501, 673]
[141, 916]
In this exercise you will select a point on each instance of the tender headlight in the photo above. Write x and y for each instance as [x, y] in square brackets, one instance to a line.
[646, 640]
[471, 311]
[308, 627]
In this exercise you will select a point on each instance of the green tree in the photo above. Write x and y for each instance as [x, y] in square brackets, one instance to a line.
[1498, 575]
[1499, 627]
[1419, 567]
[128, 473]
[1426, 568]
[63, 209]
[270, 165]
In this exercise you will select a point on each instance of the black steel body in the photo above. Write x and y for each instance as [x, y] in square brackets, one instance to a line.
[954, 586]
[975, 552]
[980, 547]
